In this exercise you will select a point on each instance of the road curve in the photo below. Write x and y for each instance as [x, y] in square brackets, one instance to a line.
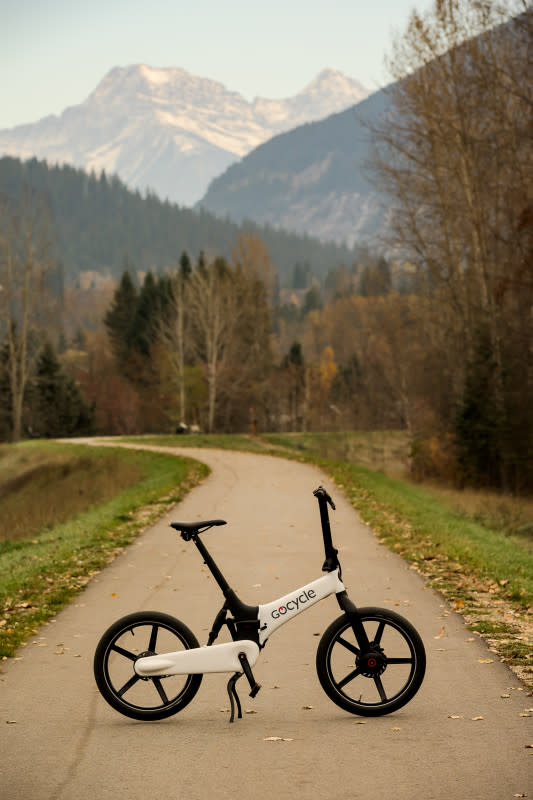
[461, 737]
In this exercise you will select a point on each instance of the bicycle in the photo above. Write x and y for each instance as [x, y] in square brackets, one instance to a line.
[149, 665]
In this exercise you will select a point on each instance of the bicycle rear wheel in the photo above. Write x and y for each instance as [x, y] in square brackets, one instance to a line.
[144, 633]
[381, 680]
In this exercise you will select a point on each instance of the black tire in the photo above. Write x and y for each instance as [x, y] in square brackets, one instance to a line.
[378, 682]
[117, 651]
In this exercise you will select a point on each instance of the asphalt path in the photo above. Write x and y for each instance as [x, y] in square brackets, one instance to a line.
[461, 737]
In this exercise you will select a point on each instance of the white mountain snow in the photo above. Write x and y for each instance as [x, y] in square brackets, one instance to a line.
[170, 131]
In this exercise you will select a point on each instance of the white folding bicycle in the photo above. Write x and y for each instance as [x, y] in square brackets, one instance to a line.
[370, 661]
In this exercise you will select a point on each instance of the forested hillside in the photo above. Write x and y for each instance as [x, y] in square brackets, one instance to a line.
[97, 221]
[311, 178]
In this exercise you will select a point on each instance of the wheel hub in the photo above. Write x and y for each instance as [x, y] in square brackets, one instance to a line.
[143, 655]
[373, 663]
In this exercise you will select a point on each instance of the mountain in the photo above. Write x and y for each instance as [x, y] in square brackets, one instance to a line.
[313, 178]
[100, 225]
[168, 130]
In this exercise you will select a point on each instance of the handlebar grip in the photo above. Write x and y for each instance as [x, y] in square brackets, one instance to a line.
[321, 492]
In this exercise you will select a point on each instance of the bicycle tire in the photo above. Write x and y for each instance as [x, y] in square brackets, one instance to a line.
[147, 698]
[378, 682]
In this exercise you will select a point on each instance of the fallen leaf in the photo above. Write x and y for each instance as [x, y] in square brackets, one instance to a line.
[113, 594]
[505, 695]
[519, 795]
[459, 604]
[485, 661]
[475, 719]
[524, 714]
[441, 634]
[307, 708]
[250, 711]
[455, 716]
[11, 721]
[277, 739]
[395, 729]
[224, 710]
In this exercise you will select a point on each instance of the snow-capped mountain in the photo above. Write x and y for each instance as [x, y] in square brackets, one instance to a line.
[170, 131]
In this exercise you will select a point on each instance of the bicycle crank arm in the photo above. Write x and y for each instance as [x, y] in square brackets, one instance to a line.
[199, 660]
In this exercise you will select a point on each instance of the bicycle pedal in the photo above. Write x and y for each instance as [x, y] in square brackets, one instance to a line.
[255, 689]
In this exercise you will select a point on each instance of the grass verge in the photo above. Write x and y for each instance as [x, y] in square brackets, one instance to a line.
[41, 574]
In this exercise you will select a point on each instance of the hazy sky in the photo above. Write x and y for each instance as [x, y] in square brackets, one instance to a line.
[53, 53]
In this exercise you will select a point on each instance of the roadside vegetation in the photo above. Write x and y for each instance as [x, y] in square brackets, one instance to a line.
[66, 511]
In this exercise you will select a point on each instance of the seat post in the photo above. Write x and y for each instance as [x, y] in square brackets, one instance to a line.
[210, 563]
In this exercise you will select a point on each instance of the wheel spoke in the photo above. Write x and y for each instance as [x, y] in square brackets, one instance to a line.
[352, 648]
[153, 638]
[349, 677]
[379, 687]
[159, 686]
[399, 660]
[125, 653]
[127, 686]
[379, 632]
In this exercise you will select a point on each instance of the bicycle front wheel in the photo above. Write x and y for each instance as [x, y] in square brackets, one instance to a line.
[145, 633]
[376, 682]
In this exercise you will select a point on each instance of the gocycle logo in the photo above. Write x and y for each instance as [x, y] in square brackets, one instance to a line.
[293, 605]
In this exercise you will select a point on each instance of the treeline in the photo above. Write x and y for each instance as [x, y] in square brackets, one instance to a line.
[456, 157]
[96, 221]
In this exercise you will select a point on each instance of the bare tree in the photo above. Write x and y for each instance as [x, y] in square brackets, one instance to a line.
[455, 155]
[214, 314]
[24, 297]
[172, 337]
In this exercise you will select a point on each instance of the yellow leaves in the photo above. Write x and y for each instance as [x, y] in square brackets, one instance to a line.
[485, 661]
[442, 634]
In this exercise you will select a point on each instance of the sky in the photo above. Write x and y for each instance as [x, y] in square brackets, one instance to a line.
[53, 53]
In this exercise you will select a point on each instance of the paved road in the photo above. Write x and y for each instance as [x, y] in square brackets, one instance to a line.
[64, 742]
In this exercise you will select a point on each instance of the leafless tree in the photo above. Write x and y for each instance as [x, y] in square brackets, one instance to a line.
[25, 300]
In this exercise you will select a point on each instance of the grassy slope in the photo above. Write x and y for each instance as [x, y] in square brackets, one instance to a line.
[39, 575]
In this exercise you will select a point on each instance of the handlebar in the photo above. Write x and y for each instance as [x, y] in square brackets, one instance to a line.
[324, 499]
[321, 492]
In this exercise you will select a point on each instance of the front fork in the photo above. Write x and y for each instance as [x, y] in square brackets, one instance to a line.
[357, 626]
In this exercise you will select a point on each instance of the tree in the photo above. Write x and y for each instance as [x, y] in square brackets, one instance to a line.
[57, 407]
[171, 333]
[214, 314]
[119, 320]
[25, 298]
[455, 155]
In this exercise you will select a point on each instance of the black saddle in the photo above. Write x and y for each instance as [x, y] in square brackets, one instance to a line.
[190, 528]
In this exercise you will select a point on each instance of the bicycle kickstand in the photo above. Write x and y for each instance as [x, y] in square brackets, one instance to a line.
[232, 693]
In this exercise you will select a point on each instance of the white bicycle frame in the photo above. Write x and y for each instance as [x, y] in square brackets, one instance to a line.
[225, 657]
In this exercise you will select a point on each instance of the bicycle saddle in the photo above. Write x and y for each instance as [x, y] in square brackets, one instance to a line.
[196, 527]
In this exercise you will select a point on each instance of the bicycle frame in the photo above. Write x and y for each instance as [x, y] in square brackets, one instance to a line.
[225, 657]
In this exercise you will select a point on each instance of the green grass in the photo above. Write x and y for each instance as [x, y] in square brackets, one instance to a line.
[41, 574]
[221, 441]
